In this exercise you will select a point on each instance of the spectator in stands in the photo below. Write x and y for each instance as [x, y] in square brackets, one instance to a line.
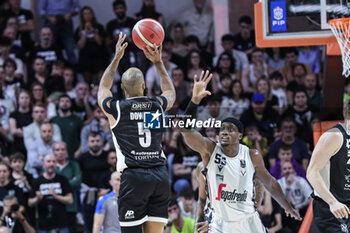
[93, 164]
[148, 10]
[195, 64]
[54, 84]
[187, 203]
[11, 81]
[178, 35]
[32, 131]
[299, 73]
[198, 21]
[236, 103]
[254, 140]
[25, 20]
[40, 72]
[90, 36]
[275, 59]
[70, 125]
[297, 191]
[303, 115]
[225, 83]
[271, 213]
[19, 176]
[5, 47]
[185, 161]
[8, 187]
[225, 65]
[245, 39]
[20, 119]
[80, 104]
[285, 154]
[51, 193]
[39, 148]
[261, 115]
[299, 147]
[106, 176]
[257, 69]
[276, 80]
[181, 86]
[310, 56]
[13, 218]
[213, 109]
[263, 87]
[152, 76]
[69, 82]
[168, 44]
[314, 96]
[16, 49]
[291, 57]
[192, 43]
[98, 125]
[240, 58]
[106, 211]
[58, 16]
[71, 170]
[46, 47]
[38, 96]
[177, 222]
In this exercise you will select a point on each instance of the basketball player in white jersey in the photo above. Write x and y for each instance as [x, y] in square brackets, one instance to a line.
[329, 175]
[231, 171]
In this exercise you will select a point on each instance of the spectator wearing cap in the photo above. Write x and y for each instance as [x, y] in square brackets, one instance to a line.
[259, 114]
[213, 109]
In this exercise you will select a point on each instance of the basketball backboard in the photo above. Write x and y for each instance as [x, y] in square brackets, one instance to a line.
[280, 23]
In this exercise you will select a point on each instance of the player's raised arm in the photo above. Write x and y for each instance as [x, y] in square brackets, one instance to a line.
[193, 138]
[104, 89]
[271, 184]
[327, 145]
[166, 85]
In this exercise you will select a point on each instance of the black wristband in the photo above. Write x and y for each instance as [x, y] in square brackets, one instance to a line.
[169, 224]
[191, 111]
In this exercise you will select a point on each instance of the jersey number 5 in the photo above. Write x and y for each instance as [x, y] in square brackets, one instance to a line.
[144, 135]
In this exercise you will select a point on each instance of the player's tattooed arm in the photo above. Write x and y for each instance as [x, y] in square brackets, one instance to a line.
[104, 89]
[166, 85]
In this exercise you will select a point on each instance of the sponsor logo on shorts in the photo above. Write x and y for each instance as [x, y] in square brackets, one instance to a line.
[344, 228]
[129, 214]
[231, 196]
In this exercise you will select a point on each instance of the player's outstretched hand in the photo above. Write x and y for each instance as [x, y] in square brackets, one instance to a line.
[200, 86]
[339, 210]
[153, 54]
[293, 214]
[201, 227]
[120, 46]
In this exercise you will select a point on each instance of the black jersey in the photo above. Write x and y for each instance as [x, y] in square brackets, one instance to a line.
[137, 133]
[336, 173]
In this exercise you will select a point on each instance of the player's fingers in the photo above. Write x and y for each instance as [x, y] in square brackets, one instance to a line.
[120, 38]
[207, 93]
[125, 45]
[206, 75]
[209, 78]
[202, 75]
[195, 78]
[347, 209]
[344, 213]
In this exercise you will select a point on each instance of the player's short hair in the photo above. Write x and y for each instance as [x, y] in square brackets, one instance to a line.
[187, 192]
[17, 156]
[276, 75]
[227, 37]
[173, 202]
[245, 19]
[132, 80]
[285, 147]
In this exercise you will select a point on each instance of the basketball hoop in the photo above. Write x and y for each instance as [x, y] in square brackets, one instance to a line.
[340, 29]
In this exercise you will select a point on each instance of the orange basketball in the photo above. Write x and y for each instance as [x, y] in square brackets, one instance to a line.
[147, 32]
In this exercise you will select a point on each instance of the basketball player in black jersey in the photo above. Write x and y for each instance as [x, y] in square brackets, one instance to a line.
[329, 175]
[136, 125]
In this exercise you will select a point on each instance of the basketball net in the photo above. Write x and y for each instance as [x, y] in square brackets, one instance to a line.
[340, 29]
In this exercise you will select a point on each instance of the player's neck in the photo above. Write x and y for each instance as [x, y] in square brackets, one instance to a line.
[231, 151]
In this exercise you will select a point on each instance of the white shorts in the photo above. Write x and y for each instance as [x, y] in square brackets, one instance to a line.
[250, 224]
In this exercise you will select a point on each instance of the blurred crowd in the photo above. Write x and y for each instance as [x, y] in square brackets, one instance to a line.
[57, 152]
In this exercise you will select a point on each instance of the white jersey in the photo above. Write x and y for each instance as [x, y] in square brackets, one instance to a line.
[230, 183]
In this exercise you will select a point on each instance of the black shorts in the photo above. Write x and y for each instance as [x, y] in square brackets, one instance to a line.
[325, 221]
[143, 196]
